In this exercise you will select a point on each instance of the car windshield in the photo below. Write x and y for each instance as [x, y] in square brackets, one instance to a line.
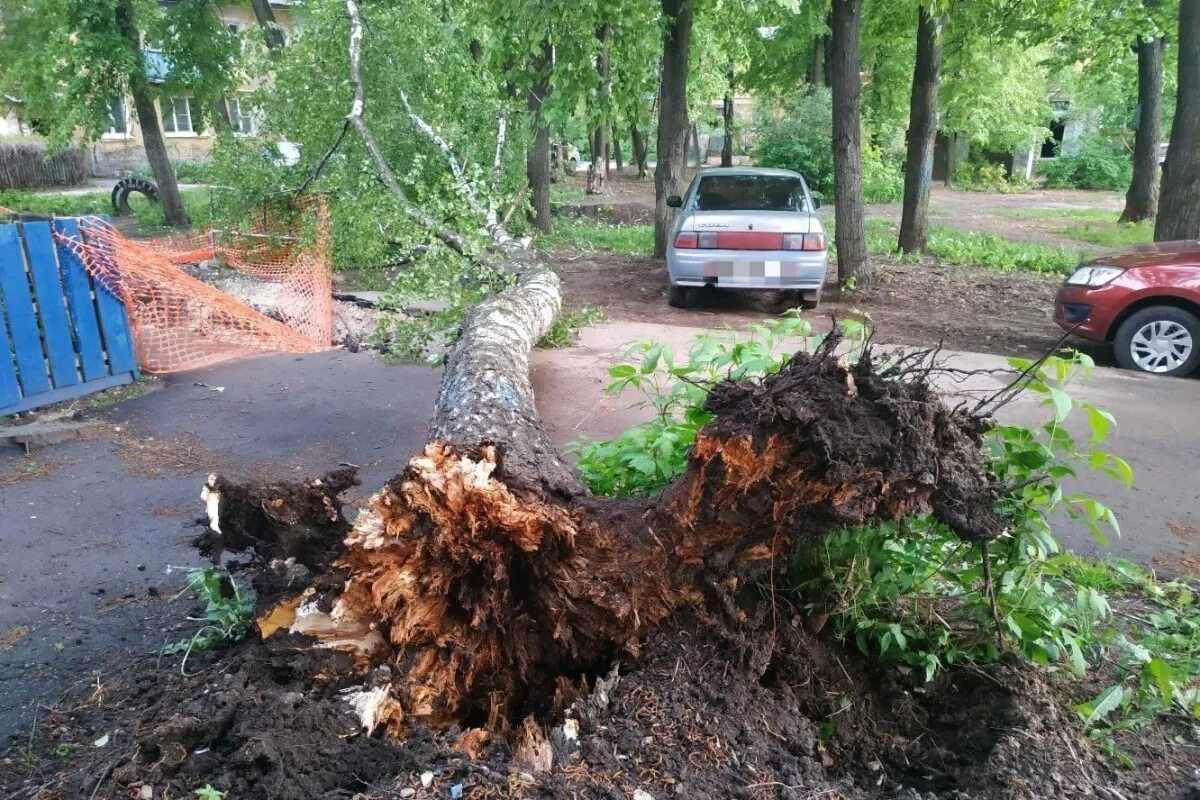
[750, 193]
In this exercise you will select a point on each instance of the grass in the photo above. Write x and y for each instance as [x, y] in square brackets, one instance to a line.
[979, 249]
[565, 193]
[587, 236]
[1093, 225]
[148, 214]
[565, 330]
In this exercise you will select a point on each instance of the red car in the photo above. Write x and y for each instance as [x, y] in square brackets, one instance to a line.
[1145, 300]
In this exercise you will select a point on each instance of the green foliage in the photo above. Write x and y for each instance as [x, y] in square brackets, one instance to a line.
[587, 236]
[207, 792]
[68, 59]
[565, 330]
[981, 176]
[228, 613]
[1113, 234]
[958, 247]
[1098, 164]
[148, 214]
[644, 458]
[798, 135]
[914, 592]
[882, 181]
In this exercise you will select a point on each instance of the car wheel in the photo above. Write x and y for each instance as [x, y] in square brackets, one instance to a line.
[680, 297]
[1163, 340]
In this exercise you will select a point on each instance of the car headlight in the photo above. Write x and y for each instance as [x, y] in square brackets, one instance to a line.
[1093, 276]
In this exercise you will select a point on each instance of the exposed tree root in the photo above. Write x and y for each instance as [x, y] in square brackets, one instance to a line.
[479, 591]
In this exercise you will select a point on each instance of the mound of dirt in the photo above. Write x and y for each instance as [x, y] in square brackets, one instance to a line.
[697, 716]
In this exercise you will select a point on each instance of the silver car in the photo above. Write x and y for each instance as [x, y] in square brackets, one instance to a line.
[746, 228]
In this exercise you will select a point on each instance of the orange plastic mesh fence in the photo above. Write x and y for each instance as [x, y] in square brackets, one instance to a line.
[181, 323]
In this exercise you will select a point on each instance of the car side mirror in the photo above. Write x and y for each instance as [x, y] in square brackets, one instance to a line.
[675, 201]
[816, 203]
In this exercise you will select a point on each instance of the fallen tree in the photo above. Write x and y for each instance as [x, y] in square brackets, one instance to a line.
[485, 573]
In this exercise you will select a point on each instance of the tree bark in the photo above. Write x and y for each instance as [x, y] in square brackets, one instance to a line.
[597, 177]
[638, 140]
[672, 118]
[816, 75]
[537, 158]
[1141, 201]
[616, 147]
[727, 116]
[850, 234]
[922, 133]
[272, 33]
[697, 156]
[1179, 206]
[148, 121]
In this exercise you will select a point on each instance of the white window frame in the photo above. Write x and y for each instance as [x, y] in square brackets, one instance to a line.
[114, 135]
[241, 113]
[166, 110]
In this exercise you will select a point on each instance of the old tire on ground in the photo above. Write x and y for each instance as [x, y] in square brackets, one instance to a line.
[681, 296]
[126, 186]
[1162, 340]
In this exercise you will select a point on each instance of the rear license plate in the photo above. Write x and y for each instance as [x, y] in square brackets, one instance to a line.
[747, 269]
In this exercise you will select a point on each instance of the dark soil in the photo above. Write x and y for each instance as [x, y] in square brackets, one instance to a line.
[690, 719]
[967, 308]
[970, 308]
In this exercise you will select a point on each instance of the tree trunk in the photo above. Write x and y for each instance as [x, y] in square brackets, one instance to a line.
[697, 155]
[1179, 206]
[727, 116]
[850, 234]
[816, 63]
[151, 127]
[922, 132]
[537, 157]
[638, 140]
[272, 33]
[616, 147]
[673, 130]
[484, 573]
[597, 176]
[1141, 201]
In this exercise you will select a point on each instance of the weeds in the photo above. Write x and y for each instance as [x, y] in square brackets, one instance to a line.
[227, 613]
[587, 236]
[913, 593]
[565, 331]
[148, 214]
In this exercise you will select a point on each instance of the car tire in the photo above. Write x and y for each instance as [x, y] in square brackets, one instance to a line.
[1160, 340]
[126, 186]
[680, 297]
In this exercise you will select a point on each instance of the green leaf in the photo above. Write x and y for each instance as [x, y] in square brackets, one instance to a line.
[622, 371]
[1102, 707]
[1062, 403]
[1163, 676]
[1101, 423]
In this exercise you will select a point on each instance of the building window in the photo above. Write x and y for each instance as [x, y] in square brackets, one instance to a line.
[177, 115]
[118, 119]
[241, 116]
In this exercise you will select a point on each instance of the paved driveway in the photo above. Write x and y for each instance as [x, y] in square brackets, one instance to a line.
[87, 539]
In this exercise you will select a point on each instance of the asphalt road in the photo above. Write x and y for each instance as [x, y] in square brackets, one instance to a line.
[85, 548]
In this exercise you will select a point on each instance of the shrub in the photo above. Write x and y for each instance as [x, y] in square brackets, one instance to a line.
[882, 180]
[800, 139]
[1099, 164]
[985, 176]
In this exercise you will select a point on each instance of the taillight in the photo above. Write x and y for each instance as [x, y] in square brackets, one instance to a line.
[686, 240]
[708, 240]
[804, 241]
[793, 241]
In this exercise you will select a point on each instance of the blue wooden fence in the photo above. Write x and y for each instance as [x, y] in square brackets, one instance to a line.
[62, 335]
